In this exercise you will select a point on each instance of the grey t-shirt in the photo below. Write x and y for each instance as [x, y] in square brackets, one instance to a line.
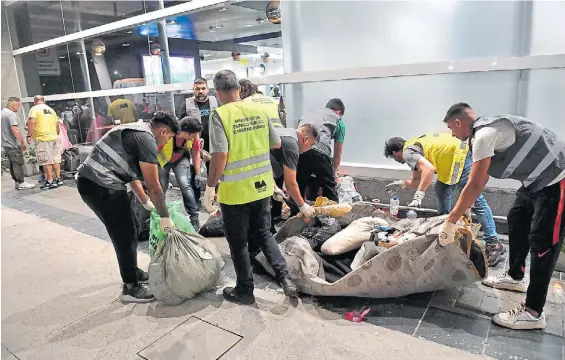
[287, 155]
[412, 154]
[219, 140]
[9, 119]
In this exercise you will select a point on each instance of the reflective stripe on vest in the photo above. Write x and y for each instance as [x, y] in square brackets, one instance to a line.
[445, 152]
[247, 176]
[536, 158]
[112, 154]
[269, 105]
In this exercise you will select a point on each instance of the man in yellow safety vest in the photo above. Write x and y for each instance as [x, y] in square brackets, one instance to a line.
[451, 159]
[249, 92]
[176, 155]
[241, 136]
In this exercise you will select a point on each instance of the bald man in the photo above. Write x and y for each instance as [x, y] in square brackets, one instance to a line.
[42, 127]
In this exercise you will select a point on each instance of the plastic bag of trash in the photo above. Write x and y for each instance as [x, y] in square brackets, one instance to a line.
[324, 228]
[346, 191]
[184, 265]
[141, 216]
[214, 227]
[156, 235]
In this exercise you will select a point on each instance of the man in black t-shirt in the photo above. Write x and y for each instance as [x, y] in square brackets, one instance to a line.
[284, 162]
[127, 154]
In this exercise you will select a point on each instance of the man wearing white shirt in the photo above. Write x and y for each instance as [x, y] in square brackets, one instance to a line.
[513, 147]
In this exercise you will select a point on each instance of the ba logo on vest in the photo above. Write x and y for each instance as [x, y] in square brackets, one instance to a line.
[260, 186]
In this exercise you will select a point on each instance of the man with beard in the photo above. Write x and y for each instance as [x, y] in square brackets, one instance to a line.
[200, 106]
[241, 137]
[127, 154]
[513, 147]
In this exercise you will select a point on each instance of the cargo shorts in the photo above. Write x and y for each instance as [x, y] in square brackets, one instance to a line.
[48, 152]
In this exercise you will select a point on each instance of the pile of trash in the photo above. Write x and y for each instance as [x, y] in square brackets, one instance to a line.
[369, 253]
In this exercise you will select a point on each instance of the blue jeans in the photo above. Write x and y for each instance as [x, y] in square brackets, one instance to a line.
[480, 208]
[181, 168]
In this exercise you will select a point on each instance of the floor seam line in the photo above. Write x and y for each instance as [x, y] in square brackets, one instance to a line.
[422, 318]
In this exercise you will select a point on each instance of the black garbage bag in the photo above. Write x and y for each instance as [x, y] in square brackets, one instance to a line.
[214, 227]
[70, 160]
[321, 230]
[141, 217]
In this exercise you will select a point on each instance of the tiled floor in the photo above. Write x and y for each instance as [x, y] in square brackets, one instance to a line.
[458, 318]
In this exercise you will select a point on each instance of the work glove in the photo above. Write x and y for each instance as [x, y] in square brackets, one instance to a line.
[278, 195]
[197, 180]
[394, 186]
[148, 205]
[166, 224]
[447, 233]
[209, 196]
[417, 199]
[307, 210]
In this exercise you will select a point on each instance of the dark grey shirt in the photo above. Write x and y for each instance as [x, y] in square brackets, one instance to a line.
[9, 119]
[412, 154]
[287, 155]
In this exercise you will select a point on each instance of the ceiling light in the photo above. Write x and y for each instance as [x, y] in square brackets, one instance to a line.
[125, 44]
[62, 57]
[219, 26]
[78, 53]
[222, 9]
[129, 32]
[171, 22]
[115, 72]
[249, 25]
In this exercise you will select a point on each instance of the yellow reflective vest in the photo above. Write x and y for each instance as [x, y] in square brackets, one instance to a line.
[247, 176]
[164, 155]
[269, 105]
[445, 152]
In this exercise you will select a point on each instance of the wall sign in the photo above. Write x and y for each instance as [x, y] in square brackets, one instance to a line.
[47, 62]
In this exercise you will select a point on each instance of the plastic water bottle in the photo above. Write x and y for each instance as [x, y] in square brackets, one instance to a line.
[411, 214]
[394, 204]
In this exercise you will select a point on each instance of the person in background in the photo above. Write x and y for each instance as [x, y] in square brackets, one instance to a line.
[127, 154]
[200, 106]
[175, 155]
[513, 147]
[241, 137]
[43, 128]
[13, 143]
[451, 159]
[284, 162]
[122, 110]
[319, 160]
[250, 92]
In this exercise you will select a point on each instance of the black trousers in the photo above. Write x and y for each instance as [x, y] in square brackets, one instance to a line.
[16, 161]
[113, 208]
[536, 225]
[314, 162]
[251, 220]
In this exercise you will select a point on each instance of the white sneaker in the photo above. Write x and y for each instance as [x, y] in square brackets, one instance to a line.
[505, 282]
[519, 319]
[24, 186]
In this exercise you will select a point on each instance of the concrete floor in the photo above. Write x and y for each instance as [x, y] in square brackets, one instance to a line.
[60, 287]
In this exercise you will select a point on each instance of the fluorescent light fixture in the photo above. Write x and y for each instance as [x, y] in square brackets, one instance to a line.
[129, 32]
[115, 72]
[249, 25]
[125, 44]
[62, 57]
[223, 8]
[78, 53]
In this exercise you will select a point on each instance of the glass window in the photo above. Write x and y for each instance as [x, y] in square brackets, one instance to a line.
[82, 15]
[34, 21]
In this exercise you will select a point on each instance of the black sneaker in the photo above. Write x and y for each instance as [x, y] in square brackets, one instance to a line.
[142, 276]
[136, 293]
[49, 185]
[59, 182]
[289, 288]
[231, 294]
[494, 253]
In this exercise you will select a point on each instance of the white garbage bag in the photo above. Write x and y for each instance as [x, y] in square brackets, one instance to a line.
[184, 265]
[352, 237]
[346, 191]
